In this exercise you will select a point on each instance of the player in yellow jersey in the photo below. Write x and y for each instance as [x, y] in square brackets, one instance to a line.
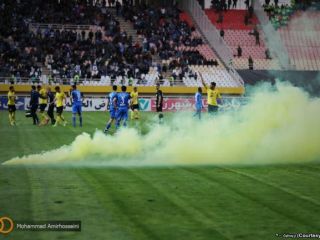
[43, 101]
[59, 100]
[213, 95]
[134, 95]
[12, 106]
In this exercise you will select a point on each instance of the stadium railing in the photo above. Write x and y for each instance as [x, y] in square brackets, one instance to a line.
[212, 35]
[59, 26]
[84, 81]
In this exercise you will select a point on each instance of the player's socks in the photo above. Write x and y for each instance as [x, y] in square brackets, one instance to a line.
[63, 121]
[135, 115]
[117, 124]
[74, 121]
[42, 117]
[108, 126]
[160, 118]
[36, 119]
[80, 120]
[10, 118]
[58, 121]
[132, 115]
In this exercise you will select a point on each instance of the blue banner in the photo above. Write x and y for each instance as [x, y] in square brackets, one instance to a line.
[20, 103]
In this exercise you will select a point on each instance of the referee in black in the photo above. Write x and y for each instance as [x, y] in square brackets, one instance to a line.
[50, 111]
[159, 103]
[34, 104]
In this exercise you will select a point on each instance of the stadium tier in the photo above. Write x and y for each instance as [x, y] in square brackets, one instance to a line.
[244, 39]
[299, 31]
[231, 19]
[301, 38]
[143, 46]
[101, 46]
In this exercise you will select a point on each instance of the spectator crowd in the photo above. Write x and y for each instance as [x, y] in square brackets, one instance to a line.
[103, 50]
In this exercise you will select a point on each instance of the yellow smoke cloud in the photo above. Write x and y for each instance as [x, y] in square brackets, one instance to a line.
[276, 126]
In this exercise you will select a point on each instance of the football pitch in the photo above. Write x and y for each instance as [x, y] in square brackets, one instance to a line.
[119, 203]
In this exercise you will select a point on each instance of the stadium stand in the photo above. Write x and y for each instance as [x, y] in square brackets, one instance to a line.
[93, 46]
[241, 30]
[299, 31]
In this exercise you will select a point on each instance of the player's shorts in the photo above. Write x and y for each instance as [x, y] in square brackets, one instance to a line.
[43, 107]
[113, 113]
[122, 114]
[135, 107]
[50, 108]
[12, 108]
[60, 110]
[212, 108]
[77, 108]
[159, 109]
[34, 108]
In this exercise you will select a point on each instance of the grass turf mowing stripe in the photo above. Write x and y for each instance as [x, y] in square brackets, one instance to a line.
[173, 220]
[113, 200]
[187, 209]
[60, 194]
[236, 211]
[275, 201]
[298, 178]
[278, 187]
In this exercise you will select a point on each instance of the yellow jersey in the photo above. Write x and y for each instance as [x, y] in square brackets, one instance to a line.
[134, 98]
[11, 98]
[59, 99]
[212, 97]
[44, 97]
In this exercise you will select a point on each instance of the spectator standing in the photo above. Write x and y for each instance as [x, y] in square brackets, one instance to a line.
[246, 19]
[235, 3]
[239, 51]
[118, 7]
[222, 33]
[251, 10]
[250, 62]
[267, 53]
[247, 3]
[257, 36]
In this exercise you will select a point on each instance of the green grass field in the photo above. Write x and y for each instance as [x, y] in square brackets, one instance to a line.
[151, 203]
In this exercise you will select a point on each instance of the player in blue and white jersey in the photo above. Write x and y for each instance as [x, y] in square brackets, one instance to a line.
[112, 107]
[198, 103]
[76, 98]
[123, 104]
